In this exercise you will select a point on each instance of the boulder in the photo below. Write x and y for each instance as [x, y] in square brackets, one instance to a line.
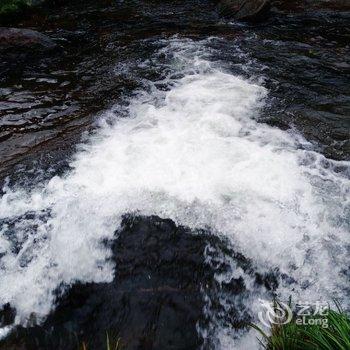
[15, 39]
[245, 10]
[21, 48]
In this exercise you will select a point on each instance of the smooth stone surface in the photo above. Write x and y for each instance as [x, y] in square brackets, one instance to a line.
[27, 39]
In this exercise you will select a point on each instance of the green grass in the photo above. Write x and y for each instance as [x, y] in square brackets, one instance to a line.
[8, 7]
[330, 331]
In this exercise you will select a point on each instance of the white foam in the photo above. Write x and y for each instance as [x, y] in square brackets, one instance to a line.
[5, 331]
[197, 155]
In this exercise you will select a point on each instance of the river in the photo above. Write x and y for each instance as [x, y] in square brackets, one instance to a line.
[169, 170]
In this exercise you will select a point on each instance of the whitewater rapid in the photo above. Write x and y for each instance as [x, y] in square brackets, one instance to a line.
[194, 152]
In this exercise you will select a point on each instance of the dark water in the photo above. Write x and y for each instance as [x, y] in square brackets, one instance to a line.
[165, 273]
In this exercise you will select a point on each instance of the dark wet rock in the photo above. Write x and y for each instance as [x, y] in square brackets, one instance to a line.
[20, 48]
[163, 274]
[15, 39]
[154, 301]
[7, 315]
[246, 10]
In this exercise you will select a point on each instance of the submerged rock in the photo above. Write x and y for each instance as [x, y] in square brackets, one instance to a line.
[157, 300]
[246, 10]
[165, 274]
[16, 39]
[154, 301]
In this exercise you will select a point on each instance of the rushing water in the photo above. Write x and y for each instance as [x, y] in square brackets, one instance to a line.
[219, 136]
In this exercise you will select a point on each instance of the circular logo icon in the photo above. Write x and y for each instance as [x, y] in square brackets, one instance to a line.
[274, 313]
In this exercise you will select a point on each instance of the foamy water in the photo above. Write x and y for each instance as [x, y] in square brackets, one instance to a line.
[194, 153]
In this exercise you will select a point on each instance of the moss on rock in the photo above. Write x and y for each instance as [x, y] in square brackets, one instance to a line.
[8, 7]
[11, 10]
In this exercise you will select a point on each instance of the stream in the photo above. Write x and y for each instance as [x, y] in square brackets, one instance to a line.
[167, 169]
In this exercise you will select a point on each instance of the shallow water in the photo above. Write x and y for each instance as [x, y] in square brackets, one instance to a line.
[235, 132]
